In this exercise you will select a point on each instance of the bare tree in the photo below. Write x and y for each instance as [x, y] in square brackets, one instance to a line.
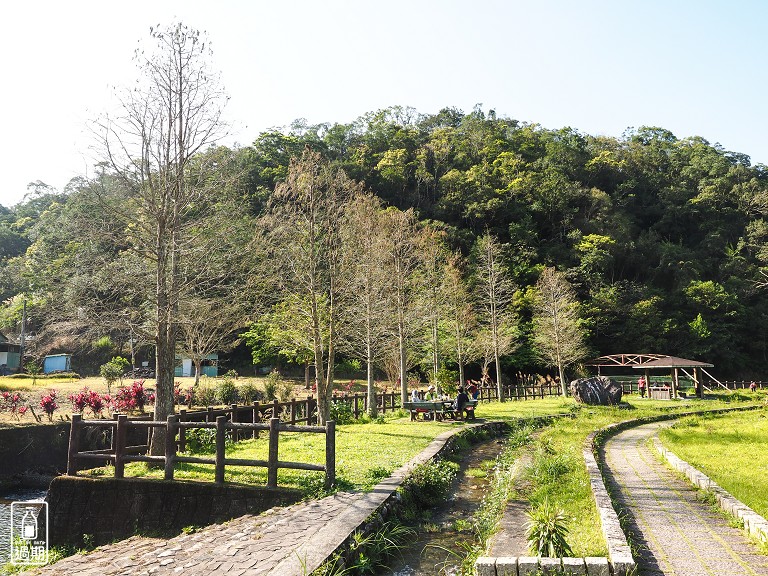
[172, 114]
[460, 312]
[365, 313]
[207, 325]
[495, 292]
[558, 336]
[433, 257]
[402, 262]
[305, 220]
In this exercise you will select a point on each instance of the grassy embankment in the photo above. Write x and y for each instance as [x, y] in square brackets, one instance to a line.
[732, 449]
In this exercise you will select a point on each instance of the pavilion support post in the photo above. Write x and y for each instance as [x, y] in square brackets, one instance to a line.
[675, 382]
[648, 381]
[698, 378]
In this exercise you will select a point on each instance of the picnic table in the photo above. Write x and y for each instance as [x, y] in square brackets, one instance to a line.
[439, 409]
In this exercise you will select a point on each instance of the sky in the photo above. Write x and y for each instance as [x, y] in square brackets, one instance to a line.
[696, 68]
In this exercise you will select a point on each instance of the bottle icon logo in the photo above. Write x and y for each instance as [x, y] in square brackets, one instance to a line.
[29, 533]
[29, 525]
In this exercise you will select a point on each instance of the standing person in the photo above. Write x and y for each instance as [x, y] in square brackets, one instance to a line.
[752, 386]
[641, 387]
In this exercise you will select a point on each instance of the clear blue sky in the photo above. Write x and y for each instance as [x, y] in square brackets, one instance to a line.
[600, 66]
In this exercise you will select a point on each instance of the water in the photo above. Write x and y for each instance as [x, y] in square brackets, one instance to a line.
[439, 546]
[13, 495]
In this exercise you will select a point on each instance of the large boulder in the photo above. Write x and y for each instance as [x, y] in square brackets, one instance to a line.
[597, 390]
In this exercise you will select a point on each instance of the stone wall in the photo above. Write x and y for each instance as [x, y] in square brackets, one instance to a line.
[106, 509]
[40, 449]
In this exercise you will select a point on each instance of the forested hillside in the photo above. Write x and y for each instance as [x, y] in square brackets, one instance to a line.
[663, 239]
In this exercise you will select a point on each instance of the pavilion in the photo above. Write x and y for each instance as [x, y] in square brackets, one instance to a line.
[647, 362]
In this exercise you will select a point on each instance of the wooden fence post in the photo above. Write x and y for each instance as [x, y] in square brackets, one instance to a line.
[308, 410]
[274, 430]
[221, 422]
[234, 418]
[293, 410]
[209, 414]
[256, 418]
[113, 432]
[170, 445]
[330, 453]
[275, 408]
[122, 429]
[74, 444]
[357, 406]
[182, 431]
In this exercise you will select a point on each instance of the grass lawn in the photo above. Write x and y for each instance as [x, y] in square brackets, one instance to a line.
[558, 472]
[731, 449]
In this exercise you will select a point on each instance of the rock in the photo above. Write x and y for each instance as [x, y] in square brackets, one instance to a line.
[597, 390]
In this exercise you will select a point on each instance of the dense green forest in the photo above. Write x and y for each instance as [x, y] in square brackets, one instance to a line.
[663, 239]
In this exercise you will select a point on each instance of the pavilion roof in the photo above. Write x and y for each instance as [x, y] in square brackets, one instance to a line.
[671, 362]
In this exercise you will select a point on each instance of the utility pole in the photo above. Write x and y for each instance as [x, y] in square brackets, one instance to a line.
[21, 336]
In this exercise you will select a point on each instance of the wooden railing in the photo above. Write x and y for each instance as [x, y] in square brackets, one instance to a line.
[120, 453]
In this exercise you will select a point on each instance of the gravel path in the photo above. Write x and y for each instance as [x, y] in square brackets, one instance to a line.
[678, 534]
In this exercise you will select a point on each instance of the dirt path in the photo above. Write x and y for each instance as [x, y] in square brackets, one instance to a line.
[678, 534]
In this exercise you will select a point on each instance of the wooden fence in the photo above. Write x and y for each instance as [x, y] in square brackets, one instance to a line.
[120, 453]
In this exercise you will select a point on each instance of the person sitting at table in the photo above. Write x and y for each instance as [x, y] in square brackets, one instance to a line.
[415, 395]
[460, 402]
[473, 392]
[431, 393]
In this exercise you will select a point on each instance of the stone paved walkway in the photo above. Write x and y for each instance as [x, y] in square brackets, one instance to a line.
[679, 535]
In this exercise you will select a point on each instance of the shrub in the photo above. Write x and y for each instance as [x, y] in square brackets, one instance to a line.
[275, 388]
[204, 394]
[132, 397]
[249, 392]
[447, 380]
[113, 370]
[14, 403]
[226, 391]
[48, 404]
[184, 397]
[96, 402]
[430, 483]
[79, 400]
[341, 412]
[201, 440]
[546, 531]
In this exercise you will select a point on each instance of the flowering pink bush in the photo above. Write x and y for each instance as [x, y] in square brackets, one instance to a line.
[132, 397]
[95, 402]
[79, 400]
[180, 397]
[48, 404]
[13, 402]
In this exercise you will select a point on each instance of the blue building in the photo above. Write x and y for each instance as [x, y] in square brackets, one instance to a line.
[57, 363]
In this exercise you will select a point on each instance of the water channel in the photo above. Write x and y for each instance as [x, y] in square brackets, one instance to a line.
[441, 542]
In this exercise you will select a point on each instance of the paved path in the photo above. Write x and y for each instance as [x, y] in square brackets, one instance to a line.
[678, 534]
[249, 545]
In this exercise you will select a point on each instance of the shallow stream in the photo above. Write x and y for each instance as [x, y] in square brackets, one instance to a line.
[441, 542]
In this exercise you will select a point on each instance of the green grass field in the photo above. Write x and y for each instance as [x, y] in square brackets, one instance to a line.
[731, 449]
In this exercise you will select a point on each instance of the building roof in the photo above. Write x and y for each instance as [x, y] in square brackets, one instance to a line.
[623, 359]
[672, 362]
